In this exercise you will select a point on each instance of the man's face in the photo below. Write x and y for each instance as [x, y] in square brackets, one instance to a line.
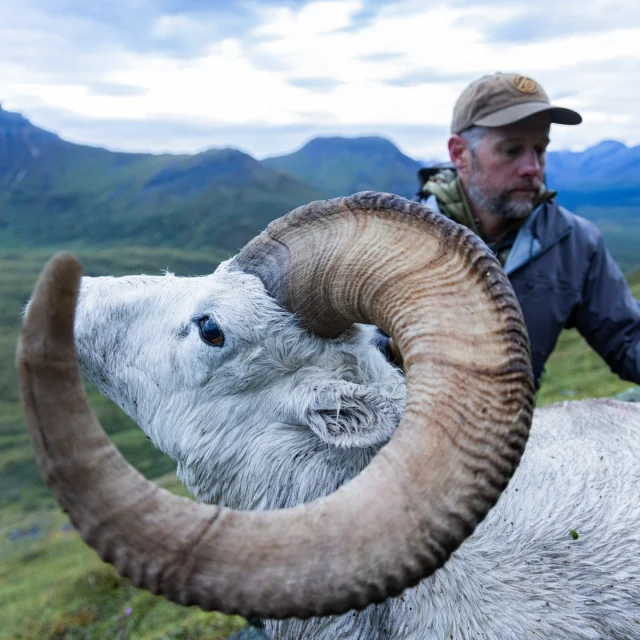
[505, 175]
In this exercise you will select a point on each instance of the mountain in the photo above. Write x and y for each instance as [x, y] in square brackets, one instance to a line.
[598, 179]
[607, 163]
[606, 175]
[53, 191]
[56, 192]
[341, 166]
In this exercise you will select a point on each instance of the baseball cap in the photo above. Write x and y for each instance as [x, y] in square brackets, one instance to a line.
[502, 98]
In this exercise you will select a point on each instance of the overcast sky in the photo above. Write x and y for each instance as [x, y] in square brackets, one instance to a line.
[266, 76]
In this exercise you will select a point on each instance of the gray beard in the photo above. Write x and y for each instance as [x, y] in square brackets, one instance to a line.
[499, 205]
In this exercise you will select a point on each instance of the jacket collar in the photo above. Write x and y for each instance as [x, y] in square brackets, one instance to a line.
[545, 227]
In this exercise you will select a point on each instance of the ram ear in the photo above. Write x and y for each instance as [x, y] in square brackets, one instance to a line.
[364, 417]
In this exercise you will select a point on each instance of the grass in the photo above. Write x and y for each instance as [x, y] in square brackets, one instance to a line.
[52, 586]
[575, 371]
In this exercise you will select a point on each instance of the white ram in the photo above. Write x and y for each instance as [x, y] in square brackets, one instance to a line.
[260, 413]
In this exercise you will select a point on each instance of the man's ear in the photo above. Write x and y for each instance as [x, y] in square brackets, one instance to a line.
[459, 152]
[345, 414]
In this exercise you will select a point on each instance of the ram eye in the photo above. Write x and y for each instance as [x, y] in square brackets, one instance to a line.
[210, 332]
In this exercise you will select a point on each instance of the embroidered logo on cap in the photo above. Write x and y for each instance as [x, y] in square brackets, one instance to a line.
[525, 85]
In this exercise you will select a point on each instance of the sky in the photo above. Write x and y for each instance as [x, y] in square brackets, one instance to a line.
[266, 76]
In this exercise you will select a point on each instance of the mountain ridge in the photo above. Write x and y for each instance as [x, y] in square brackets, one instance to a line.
[54, 191]
[57, 192]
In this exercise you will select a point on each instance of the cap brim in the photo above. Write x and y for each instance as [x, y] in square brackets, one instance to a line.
[517, 112]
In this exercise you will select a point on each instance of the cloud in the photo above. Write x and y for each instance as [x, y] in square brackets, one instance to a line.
[562, 95]
[366, 15]
[424, 76]
[184, 74]
[192, 136]
[182, 28]
[315, 84]
[538, 23]
[115, 89]
[381, 56]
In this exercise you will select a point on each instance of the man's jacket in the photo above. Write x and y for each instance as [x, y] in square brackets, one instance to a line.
[564, 277]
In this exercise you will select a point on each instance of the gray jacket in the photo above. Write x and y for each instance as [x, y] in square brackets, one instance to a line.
[564, 277]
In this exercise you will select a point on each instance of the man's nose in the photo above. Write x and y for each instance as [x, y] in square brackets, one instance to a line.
[530, 165]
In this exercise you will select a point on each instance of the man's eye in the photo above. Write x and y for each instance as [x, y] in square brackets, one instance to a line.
[210, 332]
[512, 152]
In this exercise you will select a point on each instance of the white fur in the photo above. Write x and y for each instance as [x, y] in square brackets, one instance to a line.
[277, 417]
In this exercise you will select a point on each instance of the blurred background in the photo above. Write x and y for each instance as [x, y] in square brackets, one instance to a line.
[163, 134]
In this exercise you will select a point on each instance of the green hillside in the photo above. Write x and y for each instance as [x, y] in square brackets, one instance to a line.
[342, 166]
[575, 371]
[55, 191]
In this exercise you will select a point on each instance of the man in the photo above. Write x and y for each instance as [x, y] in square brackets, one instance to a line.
[557, 262]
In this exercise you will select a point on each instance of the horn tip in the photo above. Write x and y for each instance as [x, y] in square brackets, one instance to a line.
[51, 308]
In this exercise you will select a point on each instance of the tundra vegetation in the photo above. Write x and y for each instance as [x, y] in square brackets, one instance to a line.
[51, 584]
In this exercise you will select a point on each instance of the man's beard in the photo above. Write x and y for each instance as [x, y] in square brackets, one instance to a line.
[503, 204]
